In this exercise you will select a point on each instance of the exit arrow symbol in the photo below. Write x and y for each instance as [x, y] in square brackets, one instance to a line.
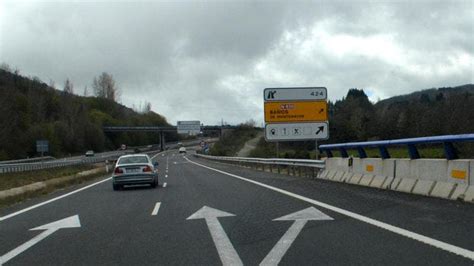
[300, 218]
[70, 222]
[320, 129]
[224, 247]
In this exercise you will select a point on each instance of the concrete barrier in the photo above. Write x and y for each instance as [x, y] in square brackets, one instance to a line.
[378, 181]
[423, 187]
[406, 185]
[355, 179]
[448, 179]
[442, 189]
[459, 171]
[459, 191]
[366, 179]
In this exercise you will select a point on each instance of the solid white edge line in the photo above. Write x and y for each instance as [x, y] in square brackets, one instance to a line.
[52, 200]
[397, 230]
[156, 209]
[164, 184]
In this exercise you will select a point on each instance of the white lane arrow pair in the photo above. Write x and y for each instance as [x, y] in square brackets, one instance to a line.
[70, 222]
[226, 250]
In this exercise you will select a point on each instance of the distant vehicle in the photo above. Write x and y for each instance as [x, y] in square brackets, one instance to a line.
[134, 169]
[180, 144]
[89, 153]
[182, 150]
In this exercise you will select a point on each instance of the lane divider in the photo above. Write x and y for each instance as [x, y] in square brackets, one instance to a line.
[156, 209]
[394, 229]
[164, 184]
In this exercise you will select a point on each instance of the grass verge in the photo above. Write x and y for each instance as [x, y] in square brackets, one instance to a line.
[51, 187]
[12, 180]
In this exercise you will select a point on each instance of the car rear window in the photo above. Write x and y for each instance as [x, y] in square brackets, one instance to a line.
[133, 159]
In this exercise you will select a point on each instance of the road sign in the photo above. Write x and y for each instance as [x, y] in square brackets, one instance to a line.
[295, 94]
[189, 127]
[42, 146]
[300, 111]
[297, 131]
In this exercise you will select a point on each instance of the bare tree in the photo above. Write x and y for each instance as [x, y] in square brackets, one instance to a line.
[147, 107]
[68, 87]
[52, 84]
[86, 91]
[104, 87]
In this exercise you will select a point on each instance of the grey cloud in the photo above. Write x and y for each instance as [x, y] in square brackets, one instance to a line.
[200, 60]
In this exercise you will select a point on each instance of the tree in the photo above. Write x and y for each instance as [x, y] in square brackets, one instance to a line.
[68, 87]
[147, 107]
[86, 91]
[104, 87]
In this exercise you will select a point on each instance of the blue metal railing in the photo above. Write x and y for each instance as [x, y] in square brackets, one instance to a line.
[447, 140]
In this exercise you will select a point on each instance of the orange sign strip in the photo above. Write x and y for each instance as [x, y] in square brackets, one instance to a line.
[296, 111]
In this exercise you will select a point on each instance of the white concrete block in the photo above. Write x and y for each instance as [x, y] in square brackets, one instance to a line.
[357, 166]
[458, 171]
[322, 174]
[429, 169]
[327, 174]
[406, 185]
[471, 173]
[388, 167]
[442, 189]
[378, 181]
[366, 179]
[338, 164]
[395, 183]
[346, 177]
[337, 176]
[423, 187]
[402, 168]
[372, 166]
[387, 182]
[459, 191]
[355, 178]
[469, 194]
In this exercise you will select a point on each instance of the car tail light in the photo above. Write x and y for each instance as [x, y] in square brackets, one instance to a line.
[147, 169]
[118, 170]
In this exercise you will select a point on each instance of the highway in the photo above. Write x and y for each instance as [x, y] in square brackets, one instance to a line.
[207, 213]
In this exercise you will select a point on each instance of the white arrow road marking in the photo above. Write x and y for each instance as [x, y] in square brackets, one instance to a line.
[223, 245]
[300, 218]
[70, 222]
[156, 209]
[165, 184]
[394, 229]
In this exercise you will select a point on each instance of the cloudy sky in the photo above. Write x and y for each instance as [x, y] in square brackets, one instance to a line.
[211, 60]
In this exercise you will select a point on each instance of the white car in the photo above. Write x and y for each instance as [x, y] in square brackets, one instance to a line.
[89, 153]
[182, 150]
[135, 169]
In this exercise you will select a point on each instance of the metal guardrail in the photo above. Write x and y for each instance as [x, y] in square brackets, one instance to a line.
[270, 161]
[10, 168]
[447, 140]
[29, 160]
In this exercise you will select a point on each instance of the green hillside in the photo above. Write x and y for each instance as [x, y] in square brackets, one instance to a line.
[31, 110]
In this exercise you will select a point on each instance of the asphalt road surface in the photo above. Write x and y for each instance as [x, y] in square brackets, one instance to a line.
[207, 213]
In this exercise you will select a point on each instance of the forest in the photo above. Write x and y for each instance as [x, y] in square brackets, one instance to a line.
[32, 110]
